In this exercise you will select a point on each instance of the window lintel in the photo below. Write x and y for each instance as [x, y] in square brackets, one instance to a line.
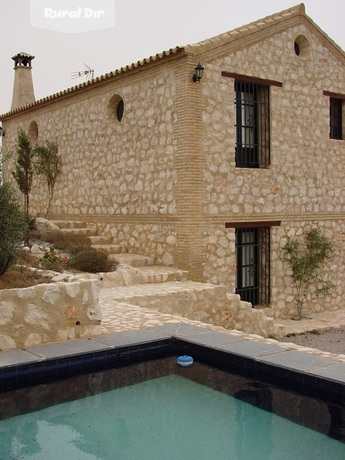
[334, 95]
[271, 223]
[249, 79]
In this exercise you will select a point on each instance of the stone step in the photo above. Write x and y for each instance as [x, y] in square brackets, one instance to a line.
[130, 276]
[101, 239]
[159, 274]
[63, 224]
[110, 249]
[87, 231]
[134, 260]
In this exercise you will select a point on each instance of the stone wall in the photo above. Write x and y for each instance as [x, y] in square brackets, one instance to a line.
[303, 187]
[116, 175]
[48, 313]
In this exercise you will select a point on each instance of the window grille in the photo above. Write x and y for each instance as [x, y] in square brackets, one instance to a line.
[253, 265]
[335, 116]
[252, 125]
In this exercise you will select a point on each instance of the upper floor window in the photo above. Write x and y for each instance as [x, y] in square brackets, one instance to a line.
[335, 118]
[252, 115]
[336, 115]
[252, 119]
[115, 107]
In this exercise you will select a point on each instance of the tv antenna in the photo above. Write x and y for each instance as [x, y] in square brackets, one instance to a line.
[87, 73]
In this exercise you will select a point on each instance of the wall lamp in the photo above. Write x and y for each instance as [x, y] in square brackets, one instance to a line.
[199, 70]
[2, 132]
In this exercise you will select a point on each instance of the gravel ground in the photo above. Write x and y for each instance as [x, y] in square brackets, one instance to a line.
[332, 341]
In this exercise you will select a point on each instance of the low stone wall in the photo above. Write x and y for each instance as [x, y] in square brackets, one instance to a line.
[203, 302]
[48, 313]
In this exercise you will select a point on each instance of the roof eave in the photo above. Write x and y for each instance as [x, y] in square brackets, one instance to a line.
[172, 53]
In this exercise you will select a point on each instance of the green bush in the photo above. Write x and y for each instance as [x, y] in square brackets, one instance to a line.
[307, 258]
[12, 226]
[93, 261]
[52, 261]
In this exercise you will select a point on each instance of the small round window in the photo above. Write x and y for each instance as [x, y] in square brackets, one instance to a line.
[301, 46]
[116, 107]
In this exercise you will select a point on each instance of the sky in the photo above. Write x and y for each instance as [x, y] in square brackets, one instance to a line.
[138, 29]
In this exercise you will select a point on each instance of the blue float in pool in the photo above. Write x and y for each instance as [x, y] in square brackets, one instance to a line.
[185, 361]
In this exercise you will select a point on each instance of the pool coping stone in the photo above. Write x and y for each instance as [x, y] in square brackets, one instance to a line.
[231, 352]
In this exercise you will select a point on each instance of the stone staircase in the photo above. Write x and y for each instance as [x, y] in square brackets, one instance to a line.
[104, 243]
[76, 226]
[138, 282]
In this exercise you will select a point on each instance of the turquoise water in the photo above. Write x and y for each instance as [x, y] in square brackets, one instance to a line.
[168, 418]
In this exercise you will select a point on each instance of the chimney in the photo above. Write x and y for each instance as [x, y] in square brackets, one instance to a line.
[23, 88]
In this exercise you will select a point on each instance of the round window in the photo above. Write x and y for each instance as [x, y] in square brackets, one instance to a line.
[301, 46]
[116, 107]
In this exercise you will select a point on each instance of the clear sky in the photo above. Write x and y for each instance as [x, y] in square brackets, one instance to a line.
[141, 28]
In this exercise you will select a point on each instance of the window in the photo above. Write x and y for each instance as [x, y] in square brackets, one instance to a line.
[33, 132]
[301, 46]
[253, 264]
[115, 107]
[335, 118]
[252, 125]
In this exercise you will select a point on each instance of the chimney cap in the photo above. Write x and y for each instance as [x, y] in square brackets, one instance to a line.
[22, 54]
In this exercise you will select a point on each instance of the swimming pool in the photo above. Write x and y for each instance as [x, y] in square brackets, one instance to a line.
[156, 410]
[236, 359]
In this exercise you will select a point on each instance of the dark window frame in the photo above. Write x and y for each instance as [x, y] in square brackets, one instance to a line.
[335, 119]
[252, 125]
[253, 259]
[252, 150]
[336, 115]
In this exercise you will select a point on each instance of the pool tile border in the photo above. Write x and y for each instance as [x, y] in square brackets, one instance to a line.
[293, 370]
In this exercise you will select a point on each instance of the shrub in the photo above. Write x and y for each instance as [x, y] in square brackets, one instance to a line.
[12, 226]
[66, 241]
[52, 261]
[23, 257]
[93, 261]
[21, 277]
[307, 258]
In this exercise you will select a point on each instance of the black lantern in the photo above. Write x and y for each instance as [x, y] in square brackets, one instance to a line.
[199, 70]
[2, 132]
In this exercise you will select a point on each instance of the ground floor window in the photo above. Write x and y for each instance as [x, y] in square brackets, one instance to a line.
[253, 264]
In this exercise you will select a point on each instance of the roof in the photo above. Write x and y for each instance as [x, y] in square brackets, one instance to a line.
[95, 80]
[197, 48]
[247, 29]
[256, 26]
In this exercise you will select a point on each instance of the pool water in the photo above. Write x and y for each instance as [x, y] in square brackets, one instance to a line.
[166, 417]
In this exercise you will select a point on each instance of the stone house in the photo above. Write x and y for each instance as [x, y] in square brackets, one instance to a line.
[209, 175]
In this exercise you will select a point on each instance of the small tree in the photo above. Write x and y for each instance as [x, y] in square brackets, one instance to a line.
[24, 171]
[12, 226]
[306, 259]
[48, 164]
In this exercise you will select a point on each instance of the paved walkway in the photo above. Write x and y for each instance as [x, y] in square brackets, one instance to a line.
[120, 316]
[320, 321]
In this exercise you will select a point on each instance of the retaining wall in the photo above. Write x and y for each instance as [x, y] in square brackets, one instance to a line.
[48, 313]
